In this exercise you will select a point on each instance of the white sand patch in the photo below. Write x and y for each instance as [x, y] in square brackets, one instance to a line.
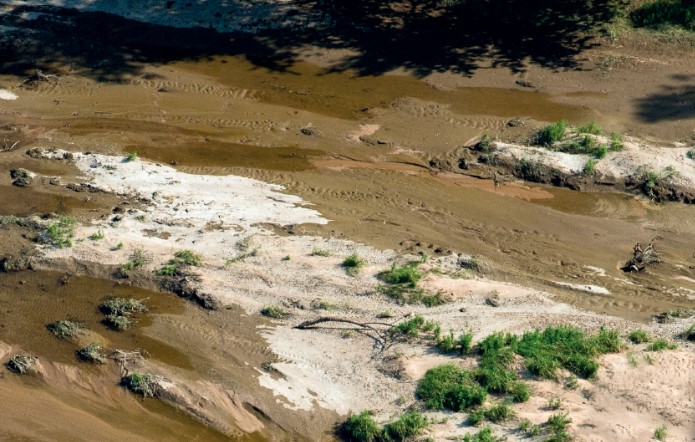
[7, 95]
[589, 288]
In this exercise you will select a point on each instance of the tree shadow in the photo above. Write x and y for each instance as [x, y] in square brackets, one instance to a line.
[673, 102]
[421, 36]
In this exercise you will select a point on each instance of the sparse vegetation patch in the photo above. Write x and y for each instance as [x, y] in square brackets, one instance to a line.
[140, 383]
[92, 353]
[61, 232]
[22, 364]
[65, 329]
[275, 312]
[353, 264]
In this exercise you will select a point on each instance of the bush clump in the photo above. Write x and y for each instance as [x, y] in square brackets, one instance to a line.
[450, 387]
[362, 427]
[551, 133]
[407, 275]
[495, 414]
[92, 353]
[140, 383]
[352, 264]
[484, 435]
[317, 251]
[22, 364]
[275, 312]
[639, 336]
[65, 329]
[119, 312]
[136, 260]
[406, 427]
[661, 345]
[664, 13]
[60, 233]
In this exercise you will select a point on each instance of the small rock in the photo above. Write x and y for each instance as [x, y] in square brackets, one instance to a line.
[516, 122]
[492, 302]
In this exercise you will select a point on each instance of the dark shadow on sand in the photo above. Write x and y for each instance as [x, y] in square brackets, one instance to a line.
[421, 36]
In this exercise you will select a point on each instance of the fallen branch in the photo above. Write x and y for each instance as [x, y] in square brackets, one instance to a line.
[380, 339]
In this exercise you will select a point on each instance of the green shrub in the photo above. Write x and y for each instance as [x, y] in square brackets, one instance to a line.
[407, 275]
[92, 353]
[61, 232]
[600, 151]
[639, 336]
[275, 312]
[552, 133]
[476, 416]
[167, 270]
[447, 343]
[65, 329]
[412, 327]
[499, 413]
[141, 383]
[96, 236]
[617, 141]
[661, 344]
[557, 425]
[361, 428]
[353, 264]
[132, 156]
[591, 128]
[187, 257]
[520, 392]
[660, 433]
[546, 351]
[465, 342]
[484, 435]
[316, 251]
[407, 427]
[554, 403]
[449, 387]
[590, 167]
[118, 322]
[485, 144]
[691, 154]
[136, 260]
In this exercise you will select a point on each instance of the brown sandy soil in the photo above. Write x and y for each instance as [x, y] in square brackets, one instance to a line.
[366, 151]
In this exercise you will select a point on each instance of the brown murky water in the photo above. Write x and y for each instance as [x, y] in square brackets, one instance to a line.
[30, 300]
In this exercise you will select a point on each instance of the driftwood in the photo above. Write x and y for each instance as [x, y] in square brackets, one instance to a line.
[381, 338]
[641, 258]
[37, 77]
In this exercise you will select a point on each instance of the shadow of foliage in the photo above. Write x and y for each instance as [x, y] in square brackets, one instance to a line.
[422, 36]
[673, 102]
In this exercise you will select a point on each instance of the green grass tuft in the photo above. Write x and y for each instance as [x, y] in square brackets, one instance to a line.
[660, 433]
[353, 264]
[450, 387]
[407, 427]
[484, 435]
[317, 251]
[661, 345]
[591, 128]
[132, 156]
[61, 232]
[407, 275]
[275, 312]
[639, 336]
[551, 133]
